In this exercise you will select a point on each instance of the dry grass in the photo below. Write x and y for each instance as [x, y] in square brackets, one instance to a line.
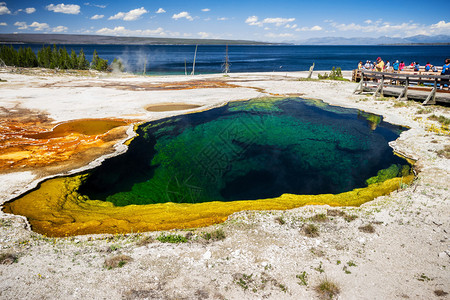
[8, 258]
[327, 289]
[368, 228]
[311, 230]
[145, 240]
[445, 153]
[319, 218]
[340, 213]
[117, 261]
[440, 293]
[280, 220]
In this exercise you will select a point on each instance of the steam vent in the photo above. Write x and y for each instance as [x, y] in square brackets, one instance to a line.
[197, 169]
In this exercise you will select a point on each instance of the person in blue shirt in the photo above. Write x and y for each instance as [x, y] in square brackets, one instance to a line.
[427, 66]
[396, 65]
[445, 71]
[416, 67]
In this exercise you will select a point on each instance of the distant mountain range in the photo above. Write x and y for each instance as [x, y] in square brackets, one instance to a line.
[33, 38]
[384, 40]
[36, 38]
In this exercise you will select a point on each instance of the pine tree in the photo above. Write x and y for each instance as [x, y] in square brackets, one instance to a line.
[73, 60]
[95, 60]
[21, 61]
[9, 55]
[83, 64]
[54, 61]
[64, 59]
[31, 60]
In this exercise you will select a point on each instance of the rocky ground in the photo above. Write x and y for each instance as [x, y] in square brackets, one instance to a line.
[395, 247]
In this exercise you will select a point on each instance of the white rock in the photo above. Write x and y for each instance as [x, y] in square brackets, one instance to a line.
[207, 255]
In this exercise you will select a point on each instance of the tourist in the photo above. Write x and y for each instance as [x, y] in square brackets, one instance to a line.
[360, 65]
[401, 66]
[379, 66]
[428, 66]
[387, 66]
[434, 69]
[367, 65]
[416, 67]
[445, 71]
[396, 65]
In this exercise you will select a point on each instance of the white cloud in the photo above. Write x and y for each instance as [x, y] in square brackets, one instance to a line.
[3, 9]
[378, 27]
[314, 28]
[280, 35]
[30, 10]
[3, 24]
[160, 11]
[206, 9]
[204, 35]
[39, 26]
[253, 21]
[183, 14]
[120, 30]
[96, 5]
[441, 25]
[278, 21]
[401, 30]
[293, 26]
[97, 17]
[71, 9]
[132, 15]
[21, 25]
[59, 29]
[222, 19]
[368, 21]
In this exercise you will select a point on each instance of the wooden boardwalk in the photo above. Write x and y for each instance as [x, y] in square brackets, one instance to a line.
[405, 85]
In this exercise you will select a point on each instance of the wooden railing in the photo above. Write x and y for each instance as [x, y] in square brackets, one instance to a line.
[386, 79]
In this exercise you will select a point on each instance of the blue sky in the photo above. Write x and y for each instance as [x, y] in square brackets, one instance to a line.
[275, 21]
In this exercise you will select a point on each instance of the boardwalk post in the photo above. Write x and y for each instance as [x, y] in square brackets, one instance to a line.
[379, 88]
[360, 87]
[431, 99]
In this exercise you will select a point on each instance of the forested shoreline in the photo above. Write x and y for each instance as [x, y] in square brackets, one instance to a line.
[51, 58]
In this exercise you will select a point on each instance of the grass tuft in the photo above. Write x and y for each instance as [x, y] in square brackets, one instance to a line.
[319, 218]
[327, 289]
[280, 220]
[117, 261]
[440, 293]
[368, 228]
[145, 241]
[216, 235]
[172, 238]
[441, 119]
[445, 153]
[8, 258]
[311, 230]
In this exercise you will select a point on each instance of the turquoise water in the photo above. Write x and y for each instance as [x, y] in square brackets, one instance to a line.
[248, 150]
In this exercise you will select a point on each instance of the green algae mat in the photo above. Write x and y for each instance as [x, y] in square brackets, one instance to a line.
[196, 169]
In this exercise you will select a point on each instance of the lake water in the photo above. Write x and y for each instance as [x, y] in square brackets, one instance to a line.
[170, 59]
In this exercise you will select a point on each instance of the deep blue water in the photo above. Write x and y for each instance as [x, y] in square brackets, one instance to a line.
[170, 59]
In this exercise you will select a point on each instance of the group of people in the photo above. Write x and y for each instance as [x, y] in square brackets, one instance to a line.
[380, 66]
